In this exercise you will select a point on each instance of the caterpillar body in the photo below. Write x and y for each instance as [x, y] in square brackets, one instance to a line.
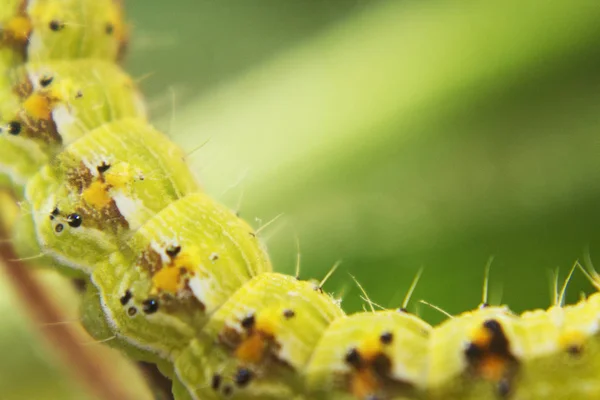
[181, 281]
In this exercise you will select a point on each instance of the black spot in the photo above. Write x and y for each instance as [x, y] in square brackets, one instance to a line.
[102, 168]
[483, 305]
[386, 337]
[59, 228]
[79, 285]
[382, 365]
[150, 306]
[493, 326]
[14, 127]
[172, 251]
[288, 313]
[131, 311]
[216, 382]
[109, 28]
[56, 25]
[243, 377]
[473, 351]
[227, 390]
[575, 350]
[353, 358]
[126, 297]
[499, 342]
[79, 94]
[248, 322]
[402, 310]
[46, 81]
[55, 212]
[503, 388]
[74, 220]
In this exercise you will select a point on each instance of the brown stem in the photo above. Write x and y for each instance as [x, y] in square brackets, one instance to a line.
[160, 384]
[63, 338]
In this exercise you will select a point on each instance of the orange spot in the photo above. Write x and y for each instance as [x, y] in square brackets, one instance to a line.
[167, 279]
[38, 106]
[364, 383]
[252, 349]
[18, 28]
[96, 195]
[493, 368]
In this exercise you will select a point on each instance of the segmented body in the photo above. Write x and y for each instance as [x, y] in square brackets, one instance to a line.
[181, 281]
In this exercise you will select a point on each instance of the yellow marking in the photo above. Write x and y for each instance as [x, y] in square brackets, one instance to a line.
[18, 28]
[571, 339]
[482, 337]
[167, 279]
[38, 106]
[117, 180]
[370, 347]
[96, 195]
[183, 260]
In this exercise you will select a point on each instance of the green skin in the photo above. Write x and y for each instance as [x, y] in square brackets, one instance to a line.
[82, 32]
[8, 57]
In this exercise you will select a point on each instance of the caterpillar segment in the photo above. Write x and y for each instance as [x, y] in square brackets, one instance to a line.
[492, 353]
[43, 30]
[52, 104]
[178, 269]
[82, 206]
[371, 355]
[258, 344]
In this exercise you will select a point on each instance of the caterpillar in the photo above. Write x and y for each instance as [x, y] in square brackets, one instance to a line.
[183, 282]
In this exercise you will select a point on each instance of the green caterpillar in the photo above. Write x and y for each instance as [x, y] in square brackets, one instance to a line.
[179, 280]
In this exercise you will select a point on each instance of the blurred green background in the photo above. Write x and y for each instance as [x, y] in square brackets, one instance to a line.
[391, 135]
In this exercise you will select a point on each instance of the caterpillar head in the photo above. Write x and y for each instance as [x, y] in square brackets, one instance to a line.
[371, 355]
[176, 275]
[258, 343]
[102, 188]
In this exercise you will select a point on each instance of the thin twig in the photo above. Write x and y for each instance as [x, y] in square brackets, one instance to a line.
[63, 338]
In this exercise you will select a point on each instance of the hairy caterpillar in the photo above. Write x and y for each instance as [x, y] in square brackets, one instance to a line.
[162, 277]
